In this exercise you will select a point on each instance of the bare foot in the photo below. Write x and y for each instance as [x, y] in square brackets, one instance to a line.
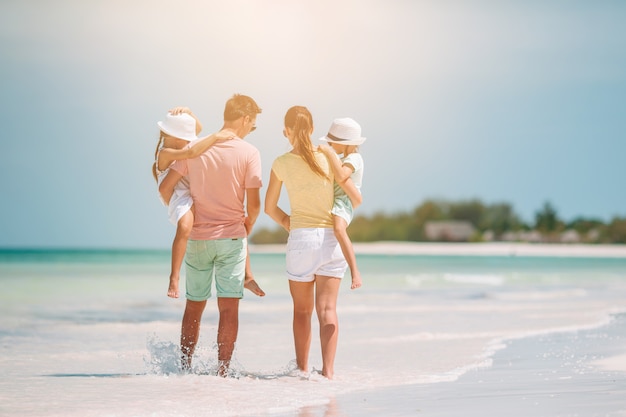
[185, 363]
[356, 280]
[172, 291]
[222, 369]
[251, 285]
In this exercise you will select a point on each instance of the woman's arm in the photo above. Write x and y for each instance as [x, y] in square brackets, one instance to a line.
[271, 202]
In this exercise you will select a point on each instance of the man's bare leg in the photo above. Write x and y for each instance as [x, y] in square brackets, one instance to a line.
[190, 331]
[227, 332]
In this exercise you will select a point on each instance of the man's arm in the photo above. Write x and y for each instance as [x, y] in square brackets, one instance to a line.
[253, 208]
[166, 189]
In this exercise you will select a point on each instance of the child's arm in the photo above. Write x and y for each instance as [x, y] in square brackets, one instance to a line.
[352, 192]
[181, 109]
[169, 155]
[340, 171]
[342, 174]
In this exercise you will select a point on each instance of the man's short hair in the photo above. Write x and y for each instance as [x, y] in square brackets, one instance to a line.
[240, 106]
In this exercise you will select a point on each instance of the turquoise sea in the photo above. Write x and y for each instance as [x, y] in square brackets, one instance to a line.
[92, 332]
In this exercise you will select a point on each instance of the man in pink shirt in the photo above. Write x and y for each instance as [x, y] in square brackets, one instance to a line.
[220, 180]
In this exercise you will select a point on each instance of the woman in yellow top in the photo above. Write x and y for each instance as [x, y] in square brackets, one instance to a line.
[315, 263]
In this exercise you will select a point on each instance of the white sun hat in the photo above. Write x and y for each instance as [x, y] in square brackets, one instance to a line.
[344, 131]
[181, 126]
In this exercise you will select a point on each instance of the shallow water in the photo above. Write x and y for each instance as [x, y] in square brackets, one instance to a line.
[93, 333]
[551, 375]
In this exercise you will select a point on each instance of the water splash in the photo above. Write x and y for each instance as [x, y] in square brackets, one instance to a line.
[164, 357]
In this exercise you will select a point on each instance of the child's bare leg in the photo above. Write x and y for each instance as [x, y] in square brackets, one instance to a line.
[249, 282]
[340, 227]
[179, 247]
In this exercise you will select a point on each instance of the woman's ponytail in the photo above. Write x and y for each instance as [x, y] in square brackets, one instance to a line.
[299, 119]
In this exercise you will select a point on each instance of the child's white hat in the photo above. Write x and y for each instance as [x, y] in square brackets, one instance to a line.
[344, 131]
[181, 126]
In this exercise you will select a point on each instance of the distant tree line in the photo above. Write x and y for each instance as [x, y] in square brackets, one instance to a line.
[490, 222]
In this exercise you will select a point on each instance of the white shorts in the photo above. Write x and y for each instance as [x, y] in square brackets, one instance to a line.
[343, 208]
[314, 251]
[180, 203]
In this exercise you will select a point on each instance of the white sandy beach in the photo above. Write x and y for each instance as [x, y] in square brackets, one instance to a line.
[475, 249]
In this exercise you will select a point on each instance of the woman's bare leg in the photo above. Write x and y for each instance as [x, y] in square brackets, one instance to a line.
[326, 291]
[302, 296]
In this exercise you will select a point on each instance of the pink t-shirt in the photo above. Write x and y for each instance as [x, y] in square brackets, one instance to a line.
[218, 180]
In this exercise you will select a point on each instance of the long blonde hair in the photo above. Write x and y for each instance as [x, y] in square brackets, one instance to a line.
[156, 153]
[299, 119]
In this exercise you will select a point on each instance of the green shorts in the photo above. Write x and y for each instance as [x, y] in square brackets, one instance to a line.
[342, 207]
[224, 259]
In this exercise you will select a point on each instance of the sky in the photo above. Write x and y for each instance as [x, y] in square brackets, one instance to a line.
[520, 102]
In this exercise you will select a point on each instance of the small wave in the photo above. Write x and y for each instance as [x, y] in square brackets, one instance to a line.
[420, 280]
[428, 336]
[541, 295]
[493, 280]
[452, 375]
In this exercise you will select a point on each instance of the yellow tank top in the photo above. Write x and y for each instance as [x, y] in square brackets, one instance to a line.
[310, 195]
